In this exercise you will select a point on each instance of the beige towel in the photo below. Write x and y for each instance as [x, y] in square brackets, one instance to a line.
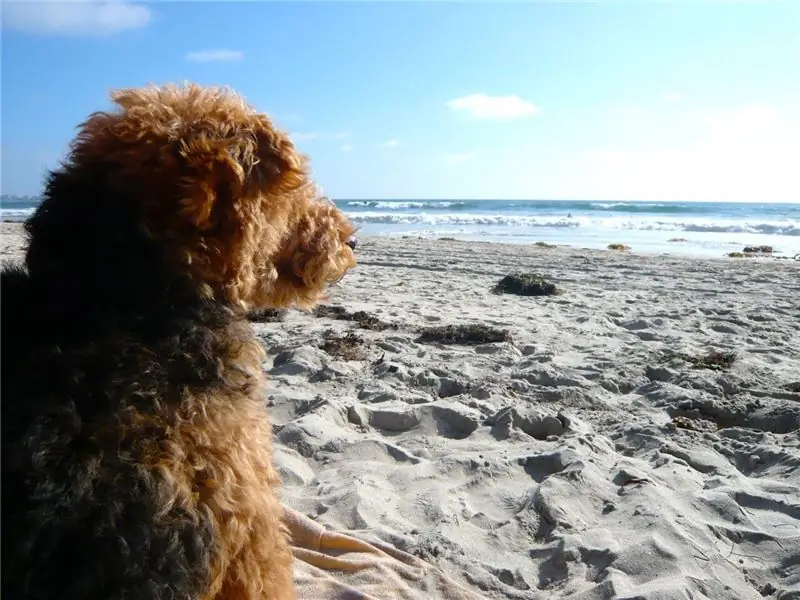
[334, 566]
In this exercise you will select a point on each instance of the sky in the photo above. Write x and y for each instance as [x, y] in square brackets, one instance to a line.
[688, 100]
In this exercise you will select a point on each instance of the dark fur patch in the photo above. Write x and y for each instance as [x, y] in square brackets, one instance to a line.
[96, 326]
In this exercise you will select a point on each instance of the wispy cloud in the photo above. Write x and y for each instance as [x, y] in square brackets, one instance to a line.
[672, 97]
[458, 158]
[392, 143]
[494, 108]
[347, 148]
[76, 17]
[215, 55]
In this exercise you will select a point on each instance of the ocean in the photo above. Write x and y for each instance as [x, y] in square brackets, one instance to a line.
[709, 228]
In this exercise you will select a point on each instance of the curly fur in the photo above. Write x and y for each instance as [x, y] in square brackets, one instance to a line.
[137, 460]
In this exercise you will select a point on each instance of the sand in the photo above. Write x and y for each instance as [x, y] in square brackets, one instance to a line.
[587, 457]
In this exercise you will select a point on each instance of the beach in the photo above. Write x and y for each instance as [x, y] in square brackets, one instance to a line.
[634, 436]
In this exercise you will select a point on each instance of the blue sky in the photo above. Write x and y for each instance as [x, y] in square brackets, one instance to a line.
[687, 100]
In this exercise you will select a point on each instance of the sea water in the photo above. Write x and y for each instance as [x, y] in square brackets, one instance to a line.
[709, 228]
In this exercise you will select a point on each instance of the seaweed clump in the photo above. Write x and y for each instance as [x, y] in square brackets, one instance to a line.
[715, 360]
[361, 318]
[738, 255]
[467, 335]
[268, 315]
[526, 284]
[347, 347]
[545, 245]
[758, 250]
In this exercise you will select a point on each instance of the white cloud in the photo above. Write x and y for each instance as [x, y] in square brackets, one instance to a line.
[347, 148]
[218, 55]
[672, 97]
[75, 17]
[496, 108]
[392, 143]
[458, 158]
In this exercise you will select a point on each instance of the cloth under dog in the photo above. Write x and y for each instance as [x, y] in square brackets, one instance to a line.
[334, 566]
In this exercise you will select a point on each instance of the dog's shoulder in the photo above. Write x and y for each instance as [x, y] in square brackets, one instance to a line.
[24, 335]
[65, 376]
[18, 300]
[15, 289]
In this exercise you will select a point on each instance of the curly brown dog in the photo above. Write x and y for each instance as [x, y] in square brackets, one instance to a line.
[137, 461]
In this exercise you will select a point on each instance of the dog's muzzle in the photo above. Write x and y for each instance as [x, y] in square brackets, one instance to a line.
[352, 242]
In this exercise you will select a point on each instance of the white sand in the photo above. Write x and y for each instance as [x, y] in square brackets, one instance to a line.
[551, 466]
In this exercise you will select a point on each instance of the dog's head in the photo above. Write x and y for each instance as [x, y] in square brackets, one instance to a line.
[224, 196]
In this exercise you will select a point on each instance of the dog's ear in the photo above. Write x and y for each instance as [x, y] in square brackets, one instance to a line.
[212, 179]
[281, 169]
[216, 175]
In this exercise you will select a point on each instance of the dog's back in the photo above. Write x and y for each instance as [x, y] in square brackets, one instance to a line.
[137, 456]
[18, 339]
[80, 513]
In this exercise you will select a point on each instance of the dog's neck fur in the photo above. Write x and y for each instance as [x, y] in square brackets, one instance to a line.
[88, 252]
[95, 288]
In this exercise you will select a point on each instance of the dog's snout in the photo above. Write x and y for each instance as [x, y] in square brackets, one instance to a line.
[352, 242]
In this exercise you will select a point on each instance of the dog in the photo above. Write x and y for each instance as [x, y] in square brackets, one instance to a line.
[137, 459]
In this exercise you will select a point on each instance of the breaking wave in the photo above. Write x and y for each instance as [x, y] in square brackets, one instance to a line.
[783, 227]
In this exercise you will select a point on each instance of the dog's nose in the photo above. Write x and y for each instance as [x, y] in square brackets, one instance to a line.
[352, 242]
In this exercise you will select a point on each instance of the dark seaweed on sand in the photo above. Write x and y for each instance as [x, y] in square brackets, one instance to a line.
[758, 250]
[361, 318]
[347, 347]
[472, 334]
[268, 315]
[714, 360]
[526, 284]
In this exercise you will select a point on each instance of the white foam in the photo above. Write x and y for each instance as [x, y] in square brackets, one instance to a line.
[786, 227]
[15, 214]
